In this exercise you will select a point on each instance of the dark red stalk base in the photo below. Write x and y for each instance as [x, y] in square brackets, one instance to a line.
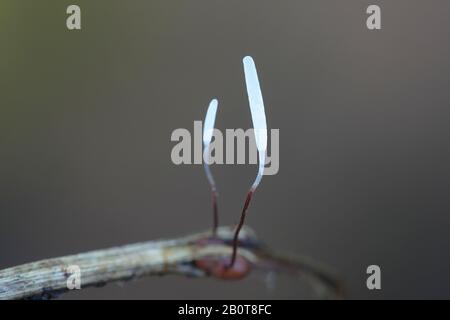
[220, 268]
[238, 228]
[215, 212]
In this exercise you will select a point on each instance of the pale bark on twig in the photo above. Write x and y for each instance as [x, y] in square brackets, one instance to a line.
[48, 278]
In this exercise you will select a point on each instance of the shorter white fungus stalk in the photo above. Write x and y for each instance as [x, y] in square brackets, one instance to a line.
[208, 129]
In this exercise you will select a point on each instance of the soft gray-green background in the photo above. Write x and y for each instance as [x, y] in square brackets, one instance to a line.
[86, 118]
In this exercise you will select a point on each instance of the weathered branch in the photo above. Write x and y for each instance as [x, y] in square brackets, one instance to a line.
[48, 278]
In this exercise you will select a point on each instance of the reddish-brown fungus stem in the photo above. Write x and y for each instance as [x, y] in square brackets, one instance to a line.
[215, 212]
[239, 226]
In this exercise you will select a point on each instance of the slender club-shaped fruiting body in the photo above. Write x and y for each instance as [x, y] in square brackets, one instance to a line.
[208, 129]
[258, 114]
[235, 267]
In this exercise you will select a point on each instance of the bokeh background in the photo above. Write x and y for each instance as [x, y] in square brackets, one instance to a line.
[86, 118]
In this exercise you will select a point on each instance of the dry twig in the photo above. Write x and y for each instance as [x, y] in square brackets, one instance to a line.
[48, 278]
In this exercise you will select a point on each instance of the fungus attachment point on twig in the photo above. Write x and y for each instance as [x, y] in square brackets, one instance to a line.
[208, 130]
[258, 114]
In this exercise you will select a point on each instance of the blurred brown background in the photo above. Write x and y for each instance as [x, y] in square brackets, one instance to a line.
[86, 118]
